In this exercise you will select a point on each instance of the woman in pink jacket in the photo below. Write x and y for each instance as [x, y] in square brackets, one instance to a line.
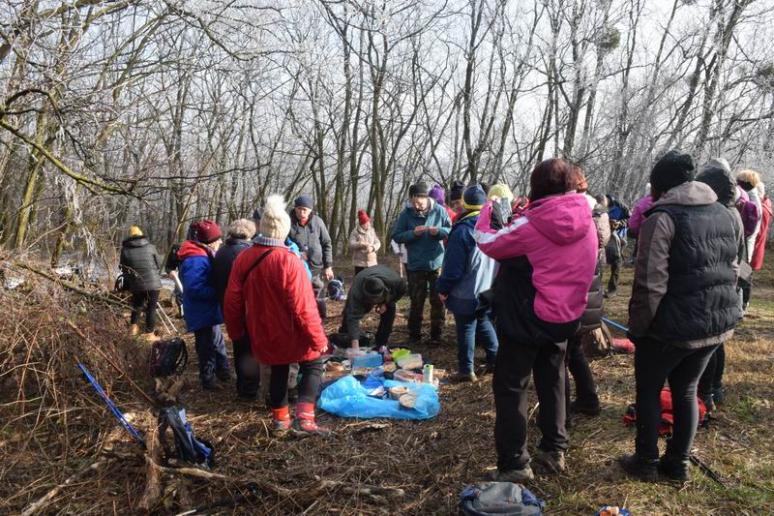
[547, 259]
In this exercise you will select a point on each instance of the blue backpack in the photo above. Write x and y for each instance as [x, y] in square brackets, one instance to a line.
[503, 498]
[187, 447]
[336, 290]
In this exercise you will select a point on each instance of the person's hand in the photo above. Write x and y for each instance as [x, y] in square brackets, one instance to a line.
[380, 309]
[443, 297]
[419, 230]
[433, 230]
[328, 273]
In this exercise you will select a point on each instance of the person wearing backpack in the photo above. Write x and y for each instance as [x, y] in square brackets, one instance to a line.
[202, 310]
[466, 272]
[140, 264]
[547, 257]
[269, 283]
[684, 304]
[239, 238]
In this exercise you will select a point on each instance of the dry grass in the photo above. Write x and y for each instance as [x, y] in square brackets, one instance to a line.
[59, 426]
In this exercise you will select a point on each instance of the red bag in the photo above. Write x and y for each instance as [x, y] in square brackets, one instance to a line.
[667, 416]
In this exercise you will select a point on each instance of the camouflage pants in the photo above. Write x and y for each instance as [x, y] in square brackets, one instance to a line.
[419, 283]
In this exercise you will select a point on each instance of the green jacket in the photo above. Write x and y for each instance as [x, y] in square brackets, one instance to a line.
[425, 252]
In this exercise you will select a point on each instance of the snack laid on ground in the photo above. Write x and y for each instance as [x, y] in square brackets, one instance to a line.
[402, 375]
[398, 391]
[332, 367]
[361, 371]
[389, 367]
[408, 400]
[413, 361]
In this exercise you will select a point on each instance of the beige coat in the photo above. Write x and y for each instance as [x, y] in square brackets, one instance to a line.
[364, 245]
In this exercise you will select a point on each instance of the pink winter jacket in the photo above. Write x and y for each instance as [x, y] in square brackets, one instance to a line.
[558, 238]
[638, 214]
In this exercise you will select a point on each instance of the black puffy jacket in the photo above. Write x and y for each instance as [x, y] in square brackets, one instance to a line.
[592, 315]
[140, 263]
[223, 262]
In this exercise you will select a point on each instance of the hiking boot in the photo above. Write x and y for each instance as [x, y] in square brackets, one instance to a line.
[134, 330]
[587, 410]
[224, 375]
[718, 395]
[464, 378]
[488, 369]
[150, 337]
[674, 468]
[309, 427]
[551, 462]
[280, 421]
[514, 475]
[709, 402]
[643, 469]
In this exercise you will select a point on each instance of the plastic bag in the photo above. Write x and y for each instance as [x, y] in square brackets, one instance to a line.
[348, 398]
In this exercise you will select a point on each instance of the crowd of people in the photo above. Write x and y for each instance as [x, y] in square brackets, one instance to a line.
[522, 278]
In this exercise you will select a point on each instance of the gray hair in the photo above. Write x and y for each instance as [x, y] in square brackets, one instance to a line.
[242, 228]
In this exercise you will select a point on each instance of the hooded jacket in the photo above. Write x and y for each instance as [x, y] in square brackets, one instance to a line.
[466, 271]
[223, 262]
[547, 260]
[200, 301]
[360, 302]
[313, 239]
[140, 262]
[360, 242]
[273, 303]
[684, 290]
[425, 252]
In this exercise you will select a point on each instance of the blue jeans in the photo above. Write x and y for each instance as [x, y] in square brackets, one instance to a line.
[211, 350]
[472, 330]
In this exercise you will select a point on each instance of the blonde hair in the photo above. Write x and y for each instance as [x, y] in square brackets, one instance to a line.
[750, 177]
[242, 228]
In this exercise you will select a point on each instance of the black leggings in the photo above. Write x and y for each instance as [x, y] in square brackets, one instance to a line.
[148, 299]
[311, 377]
[712, 378]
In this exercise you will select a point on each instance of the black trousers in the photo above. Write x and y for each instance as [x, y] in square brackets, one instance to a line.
[248, 373]
[311, 377]
[615, 274]
[419, 283]
[578, 366]
[516, 361]
[654, 363]
[712, 378]
[147, 299]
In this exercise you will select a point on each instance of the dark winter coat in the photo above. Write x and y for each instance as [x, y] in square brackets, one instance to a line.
[717, 175]
[200, 302]
[313, 239]
[592, 315]
[224, 260]
[685, 278]
[140, 263]
[359, 302]
[466, 271]
[425, 252]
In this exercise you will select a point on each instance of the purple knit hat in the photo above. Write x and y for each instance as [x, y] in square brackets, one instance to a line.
[438, 194]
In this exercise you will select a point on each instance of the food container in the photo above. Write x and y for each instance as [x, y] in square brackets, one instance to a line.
[402, 375]
[408, 400]
[412, 361]
[398, 391]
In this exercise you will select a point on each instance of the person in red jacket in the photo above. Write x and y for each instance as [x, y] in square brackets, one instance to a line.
[269, 283]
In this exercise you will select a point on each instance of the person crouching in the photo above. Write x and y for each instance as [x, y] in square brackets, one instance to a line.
[269, 283]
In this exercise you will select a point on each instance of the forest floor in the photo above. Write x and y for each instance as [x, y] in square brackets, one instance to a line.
[430, 461]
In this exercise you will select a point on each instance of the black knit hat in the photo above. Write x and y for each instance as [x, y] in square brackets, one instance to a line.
[457, 188]
[421, 189]
[374, 290]
[673, 169]
[304, 201]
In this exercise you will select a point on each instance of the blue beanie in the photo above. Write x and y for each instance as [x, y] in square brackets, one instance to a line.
[304, 201]
[473, 198]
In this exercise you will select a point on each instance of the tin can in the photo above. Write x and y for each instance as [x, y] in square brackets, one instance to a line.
[427, 374]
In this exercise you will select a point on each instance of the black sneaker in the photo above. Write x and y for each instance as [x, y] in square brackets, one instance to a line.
[587, 410]
[550, 462]
[224, 375]
[634, 466]
[674, 468]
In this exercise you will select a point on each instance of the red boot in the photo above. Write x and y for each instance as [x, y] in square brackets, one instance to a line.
[281, 420]
[305, 424]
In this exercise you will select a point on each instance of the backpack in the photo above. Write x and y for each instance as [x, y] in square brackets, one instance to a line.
[667, 415]
[597, 342]
[121, 284]
[187, 447]
[506, 498]
[336, 289]
[168, 357]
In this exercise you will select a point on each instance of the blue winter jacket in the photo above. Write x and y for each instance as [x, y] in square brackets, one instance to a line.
[200, 301]
[466, 270]
[425, 252]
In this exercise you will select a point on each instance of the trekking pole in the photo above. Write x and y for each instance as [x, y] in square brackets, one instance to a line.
[616, 325]
[705, 469]
[165, 320]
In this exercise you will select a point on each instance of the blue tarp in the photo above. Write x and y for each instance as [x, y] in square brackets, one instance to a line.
[347, 397]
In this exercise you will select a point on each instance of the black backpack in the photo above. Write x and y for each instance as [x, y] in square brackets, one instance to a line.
[168, 357]
[187, 447]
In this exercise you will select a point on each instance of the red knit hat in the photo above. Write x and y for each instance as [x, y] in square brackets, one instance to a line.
[363, 217]
[207, 231]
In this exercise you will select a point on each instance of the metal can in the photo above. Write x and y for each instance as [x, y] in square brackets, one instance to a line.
[427, 374]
